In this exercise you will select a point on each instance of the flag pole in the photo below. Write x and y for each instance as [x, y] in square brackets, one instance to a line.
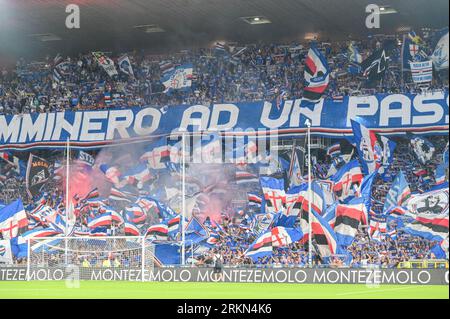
[183, 209]
[292, 164]
[67, 200]
[67, 185]
[308, 124]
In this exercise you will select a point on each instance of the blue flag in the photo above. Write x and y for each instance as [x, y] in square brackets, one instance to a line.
[398, 193]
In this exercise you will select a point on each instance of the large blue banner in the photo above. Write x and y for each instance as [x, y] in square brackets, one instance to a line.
[392, 114]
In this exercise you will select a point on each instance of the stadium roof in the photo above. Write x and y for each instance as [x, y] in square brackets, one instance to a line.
[37, 27]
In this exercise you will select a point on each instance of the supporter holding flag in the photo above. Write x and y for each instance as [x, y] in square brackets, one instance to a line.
[317, 74]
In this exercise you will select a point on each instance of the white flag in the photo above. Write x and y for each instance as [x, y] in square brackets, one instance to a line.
[440, 54]
[106, 63]
[5, 252]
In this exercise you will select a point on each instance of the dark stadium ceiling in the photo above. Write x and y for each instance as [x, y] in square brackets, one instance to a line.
[110, 25]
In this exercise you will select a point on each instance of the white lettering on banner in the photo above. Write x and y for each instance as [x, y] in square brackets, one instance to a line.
[427, 112]
[232, 109]
[361, 106]
[446, 116]
[10, 132]
[386, 112]
[119, 120]
[189, 120]
[434, 108]
[139, 121]
[49, 126]
[281, 120]
[73, 129]
[89, 125]
[315, 114]
[32, 130]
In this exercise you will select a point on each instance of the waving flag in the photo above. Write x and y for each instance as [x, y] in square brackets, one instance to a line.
[37, 176]
[40, 233]
[196, 232]
[295, 175]
[369, 149]
[324, 236]
[13, 220]
[440, 54]
[375, 151]
[317, 74]
[428, 227]
[375, 66]
[353, 53]
[283, 237]
[366, 190]
[412, 50]
[377, 226]
[440, 251]
[346, 179]
[254, 200]
[157, 154]
[174, 225]
[440, 174]
[100, 221]
[243, 177]
[423, 149]
[294, 200]
[274, 193]
[131, 229]
[106, 63]
[398, 193]
[43, 214]
[158, 232]
[125, 65]
[348, 220]
[261, 222]
[121, 196]
[135, 214]
[428, 215]
[261, 247]
[6, 252]
[179, 78]
[334, 150]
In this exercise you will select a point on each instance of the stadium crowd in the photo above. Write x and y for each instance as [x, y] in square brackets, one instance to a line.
[235, 74]
[258, 72]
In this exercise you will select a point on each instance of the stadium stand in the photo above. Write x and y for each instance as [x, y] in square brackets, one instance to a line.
[223, 74]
